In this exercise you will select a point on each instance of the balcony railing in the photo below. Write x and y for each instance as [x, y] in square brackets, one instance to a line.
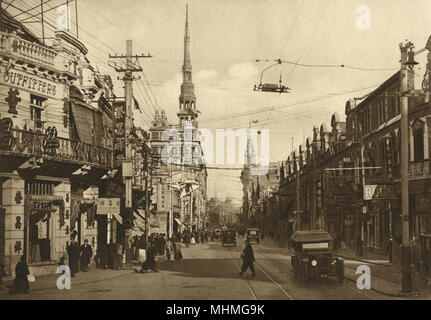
[38, 144]
[419, 168]
[14, 45]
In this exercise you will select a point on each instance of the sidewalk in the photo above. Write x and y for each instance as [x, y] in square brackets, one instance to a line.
[387, 277]
[49, 282]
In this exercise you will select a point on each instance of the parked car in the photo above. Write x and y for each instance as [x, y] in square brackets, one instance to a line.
[253, 235]
[228, 237]
[313, 255]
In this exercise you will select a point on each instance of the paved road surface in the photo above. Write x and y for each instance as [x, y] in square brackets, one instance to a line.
[207, 272]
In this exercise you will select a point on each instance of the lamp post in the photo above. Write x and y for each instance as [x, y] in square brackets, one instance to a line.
[407, 62]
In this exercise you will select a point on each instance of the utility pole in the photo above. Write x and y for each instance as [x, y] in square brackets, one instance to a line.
[407, 279]
[128, 93]
[171, 217]
[364, 213]
[147, 201]
[298, 197]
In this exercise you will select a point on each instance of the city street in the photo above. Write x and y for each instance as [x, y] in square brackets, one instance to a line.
[131, 129]
[207, 272]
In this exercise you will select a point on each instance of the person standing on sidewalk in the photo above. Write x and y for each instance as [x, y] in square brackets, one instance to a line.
[20, 283]
[150, 262]
[72, 249]
[247, 259]
[86, 253]
[169, 248]
[177, 250]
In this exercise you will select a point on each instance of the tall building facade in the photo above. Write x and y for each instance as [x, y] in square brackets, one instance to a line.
[183, 207]
[193, 203]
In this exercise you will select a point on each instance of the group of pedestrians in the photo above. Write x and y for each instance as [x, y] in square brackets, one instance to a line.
[193, 237]
[79, 256]
[161, 246]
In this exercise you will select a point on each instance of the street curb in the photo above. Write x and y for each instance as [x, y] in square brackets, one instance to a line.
[399, 295]
[362, 260]
[47, 288]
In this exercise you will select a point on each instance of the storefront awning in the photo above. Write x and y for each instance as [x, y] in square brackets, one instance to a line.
[83, 117]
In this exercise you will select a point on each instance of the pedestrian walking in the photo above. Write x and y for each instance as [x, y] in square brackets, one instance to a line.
[20, 283]
[150, 262]
[247, 258]
[72, 249]
[163, 244]
[187, 239]
[86, 253]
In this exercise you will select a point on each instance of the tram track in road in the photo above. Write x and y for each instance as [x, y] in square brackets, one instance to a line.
[289, 277]
[288, 296]
[248, 282]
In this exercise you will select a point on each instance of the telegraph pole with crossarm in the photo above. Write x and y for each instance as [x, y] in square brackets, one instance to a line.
[127, 166]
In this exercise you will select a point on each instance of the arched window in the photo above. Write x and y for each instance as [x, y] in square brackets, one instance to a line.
[418, 140]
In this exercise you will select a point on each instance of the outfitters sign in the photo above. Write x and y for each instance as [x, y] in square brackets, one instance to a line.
[23, 80]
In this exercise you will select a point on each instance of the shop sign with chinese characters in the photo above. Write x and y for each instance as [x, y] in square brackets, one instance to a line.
[108, 205]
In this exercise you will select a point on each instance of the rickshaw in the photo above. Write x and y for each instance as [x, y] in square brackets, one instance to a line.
[313, 256]
[228, 237]
[253, 235]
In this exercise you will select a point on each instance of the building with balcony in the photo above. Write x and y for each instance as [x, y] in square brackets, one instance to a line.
[56, 143]
[346, 178]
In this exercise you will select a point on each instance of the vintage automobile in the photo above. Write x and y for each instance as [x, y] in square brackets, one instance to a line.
[228, 237]
[253, 235]
[313, 255]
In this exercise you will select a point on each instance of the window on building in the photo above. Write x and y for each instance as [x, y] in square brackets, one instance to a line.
[385, 109]
[36, 109]
[155, 135]
[418, 140]
[373, 116]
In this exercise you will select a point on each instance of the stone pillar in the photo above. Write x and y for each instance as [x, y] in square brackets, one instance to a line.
[412, 144]
[13, 203]
[61, 234]
[426, 140]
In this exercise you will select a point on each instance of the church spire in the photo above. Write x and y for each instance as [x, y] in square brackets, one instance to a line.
[187, 99]
[187, 39]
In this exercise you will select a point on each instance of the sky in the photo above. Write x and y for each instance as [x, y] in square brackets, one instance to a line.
[226, 39]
